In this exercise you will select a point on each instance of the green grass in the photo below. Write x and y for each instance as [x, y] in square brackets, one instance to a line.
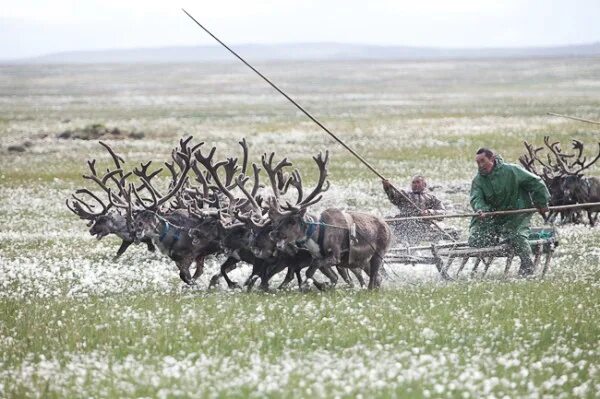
[500, 318]
[75, 323]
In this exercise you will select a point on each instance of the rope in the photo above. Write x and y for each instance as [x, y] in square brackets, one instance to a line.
[574, 118]
[496, 213]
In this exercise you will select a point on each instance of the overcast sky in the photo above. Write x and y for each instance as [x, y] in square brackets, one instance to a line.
[36, 27]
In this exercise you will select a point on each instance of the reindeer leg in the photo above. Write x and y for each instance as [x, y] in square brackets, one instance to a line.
[227, 266]
[358, 274]
[343, 271]
[184, 271]
[254, 275]
[298, 276]
[150, 245]
[309, 275]
[124, 245]
[330, 274]
[259, 270]
[374, 277]
[289, 276]
[199, 267]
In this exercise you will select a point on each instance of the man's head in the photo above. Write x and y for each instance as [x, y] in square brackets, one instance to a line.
[418, 184]
[485, 160]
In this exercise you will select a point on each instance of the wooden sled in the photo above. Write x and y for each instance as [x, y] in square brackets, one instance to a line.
[543, 241]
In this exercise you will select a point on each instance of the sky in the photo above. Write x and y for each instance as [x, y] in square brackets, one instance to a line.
[35, 27]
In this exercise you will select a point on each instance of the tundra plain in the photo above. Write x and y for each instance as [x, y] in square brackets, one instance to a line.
[75, 323]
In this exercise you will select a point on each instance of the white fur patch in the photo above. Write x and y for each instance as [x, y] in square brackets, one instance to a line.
[313, 247]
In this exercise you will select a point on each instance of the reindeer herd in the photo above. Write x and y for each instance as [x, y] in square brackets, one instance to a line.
[221, 207]
[213, 207]
[563, 174]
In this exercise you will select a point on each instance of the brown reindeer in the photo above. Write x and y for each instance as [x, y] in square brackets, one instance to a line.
[336, 237]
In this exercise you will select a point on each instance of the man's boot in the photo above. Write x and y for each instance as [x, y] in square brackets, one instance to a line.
[526, 268]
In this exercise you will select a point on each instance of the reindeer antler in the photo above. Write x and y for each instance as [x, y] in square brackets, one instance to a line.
[182, 157]
[267, 162]
[241, 181]
[578, 145]
[207, 162]
[78, 205]
[322, 184]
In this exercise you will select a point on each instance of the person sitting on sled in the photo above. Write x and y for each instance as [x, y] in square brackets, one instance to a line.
[415, 202]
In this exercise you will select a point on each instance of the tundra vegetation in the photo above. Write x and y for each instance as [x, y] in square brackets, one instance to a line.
[76, 322]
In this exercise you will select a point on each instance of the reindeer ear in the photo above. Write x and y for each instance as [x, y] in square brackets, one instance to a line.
[303, 211]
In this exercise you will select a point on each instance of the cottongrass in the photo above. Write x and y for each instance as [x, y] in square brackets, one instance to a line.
[357, 372]
[419, 342]
[76, 323]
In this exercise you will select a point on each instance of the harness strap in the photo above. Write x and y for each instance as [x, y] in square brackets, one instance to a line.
[321, 237]
[165, 230]
[310, 229]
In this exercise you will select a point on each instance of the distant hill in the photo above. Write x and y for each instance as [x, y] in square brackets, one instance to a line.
[304, 51]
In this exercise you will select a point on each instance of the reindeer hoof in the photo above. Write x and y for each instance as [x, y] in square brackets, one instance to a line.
[305, 287]
[214, 281]
[235, 286]
[325, 286]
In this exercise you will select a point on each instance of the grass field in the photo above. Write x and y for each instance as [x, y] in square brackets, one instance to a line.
[75, 323]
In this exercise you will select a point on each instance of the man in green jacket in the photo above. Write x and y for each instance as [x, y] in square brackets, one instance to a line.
[501, 186]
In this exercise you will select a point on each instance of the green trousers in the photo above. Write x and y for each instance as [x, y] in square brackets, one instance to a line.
[513, 229]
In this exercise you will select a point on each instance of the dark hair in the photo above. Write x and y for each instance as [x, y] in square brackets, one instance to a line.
[488, 153]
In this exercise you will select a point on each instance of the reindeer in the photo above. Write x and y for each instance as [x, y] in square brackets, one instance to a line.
[107, 221]
[215, 229]
[336, 237]
[552, 174]
[291, 257]
[235, 238]
[168, 229]
[565, 179]
[578, 188]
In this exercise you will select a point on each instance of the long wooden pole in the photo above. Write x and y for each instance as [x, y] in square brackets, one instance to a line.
[289, 98]
[496, 213]
[574, 118]
[361, 159]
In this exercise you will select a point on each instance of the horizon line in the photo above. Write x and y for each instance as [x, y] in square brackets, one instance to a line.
[307, 43]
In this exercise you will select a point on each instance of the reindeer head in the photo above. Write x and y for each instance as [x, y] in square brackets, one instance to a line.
[573, 188]
[289, 224]
[146, 224]
[289, 229]
[101, 223]
[110, 223]
[207, 231]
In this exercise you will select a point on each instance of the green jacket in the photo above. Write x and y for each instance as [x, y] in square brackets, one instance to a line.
[508, 186]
